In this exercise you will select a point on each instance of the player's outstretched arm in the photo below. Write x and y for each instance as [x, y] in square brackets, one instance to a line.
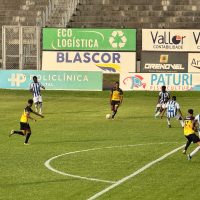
[28, 115]
[121, 99]
[37, 114]
[110, 97]
[30, 88]
[180, 113]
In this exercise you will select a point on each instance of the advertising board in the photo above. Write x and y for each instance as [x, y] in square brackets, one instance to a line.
[164, 62]
[107, 62]
[154, 81]
[171, 40]
[52, 80]
[194, 62]
[88, 39]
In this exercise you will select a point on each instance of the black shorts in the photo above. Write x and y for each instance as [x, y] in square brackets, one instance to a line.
[24, 126]
[113, 103]
[193, 138]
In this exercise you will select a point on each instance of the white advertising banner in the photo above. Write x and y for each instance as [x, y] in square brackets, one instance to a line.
[194, 62]
[107, 62]
[171, 40]
[154, 81]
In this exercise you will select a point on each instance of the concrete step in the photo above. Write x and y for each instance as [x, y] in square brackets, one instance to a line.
[119, 7]
[143, 19]
[140, 2]
[133, 24]
[120, 2]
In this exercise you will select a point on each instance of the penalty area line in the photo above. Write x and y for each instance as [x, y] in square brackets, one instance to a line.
[116, 184]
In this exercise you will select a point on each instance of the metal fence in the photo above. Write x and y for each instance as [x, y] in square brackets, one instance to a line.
[1, 48]
[21, 47]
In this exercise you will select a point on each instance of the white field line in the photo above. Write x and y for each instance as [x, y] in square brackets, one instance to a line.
[116, 184]
[47, 163]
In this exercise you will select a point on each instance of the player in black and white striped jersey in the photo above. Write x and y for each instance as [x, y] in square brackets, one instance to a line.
[197, 119]
[35, 88]
[163, 98]
[173, 111]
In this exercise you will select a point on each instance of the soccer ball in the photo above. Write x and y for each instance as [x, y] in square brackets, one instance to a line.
[108, 116]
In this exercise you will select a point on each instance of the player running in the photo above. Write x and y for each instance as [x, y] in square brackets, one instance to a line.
[189, 132]
[25, 129]
[35, 87]
[173, 111]
[197, 119]
[163, 98]
[116, 98]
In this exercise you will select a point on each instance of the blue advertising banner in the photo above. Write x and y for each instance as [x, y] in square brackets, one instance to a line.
[154, 81]
[52, 80]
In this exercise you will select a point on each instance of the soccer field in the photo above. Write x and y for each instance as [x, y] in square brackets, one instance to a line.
[134, 156]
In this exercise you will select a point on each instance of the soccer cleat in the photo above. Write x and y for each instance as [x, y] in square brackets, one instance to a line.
[11, 133]
[184, 151]
[26, 143]
[189, 157]
[169, 126]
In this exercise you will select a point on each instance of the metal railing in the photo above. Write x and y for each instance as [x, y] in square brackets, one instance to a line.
[51, 8]
[47, 13]
[69, 12]
[21, 47]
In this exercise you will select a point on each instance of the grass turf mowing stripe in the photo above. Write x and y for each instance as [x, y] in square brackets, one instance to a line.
[47, 163]
[134, 174]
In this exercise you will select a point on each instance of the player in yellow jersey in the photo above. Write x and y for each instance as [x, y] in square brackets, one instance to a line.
[25, 129]
[116, 98]
[189, 132]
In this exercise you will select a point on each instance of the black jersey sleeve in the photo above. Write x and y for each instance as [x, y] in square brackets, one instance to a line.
[28, 109]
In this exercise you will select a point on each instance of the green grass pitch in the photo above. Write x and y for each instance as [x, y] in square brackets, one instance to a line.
[75, 121]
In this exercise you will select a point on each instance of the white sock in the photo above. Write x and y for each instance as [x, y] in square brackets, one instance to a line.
[168, 121]
[182, 123]
[36, 107]
[195, 151]
[157, 109]
[40, 108]
[157, 114]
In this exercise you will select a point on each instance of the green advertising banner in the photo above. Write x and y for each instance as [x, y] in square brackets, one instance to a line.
[89, 39]
[52, 80]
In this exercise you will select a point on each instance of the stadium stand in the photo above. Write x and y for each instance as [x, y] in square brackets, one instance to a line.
[102, 13]
[21, 12]
[137, 14]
